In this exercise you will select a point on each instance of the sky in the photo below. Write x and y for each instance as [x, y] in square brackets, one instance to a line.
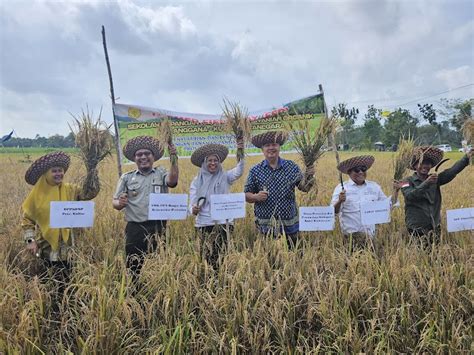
[188, 55]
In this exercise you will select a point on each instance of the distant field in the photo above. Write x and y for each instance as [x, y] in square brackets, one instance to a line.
[33, 150]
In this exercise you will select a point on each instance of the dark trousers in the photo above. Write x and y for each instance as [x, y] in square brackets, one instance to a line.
[141, 238]
[213, 243]
[426, 237]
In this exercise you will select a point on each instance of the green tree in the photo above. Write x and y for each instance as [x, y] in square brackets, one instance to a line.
[456, 111]
[372, 127]
[428, 113]
[399, 123]
[347, 117]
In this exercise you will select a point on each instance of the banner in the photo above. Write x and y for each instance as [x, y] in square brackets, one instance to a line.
[191, 130]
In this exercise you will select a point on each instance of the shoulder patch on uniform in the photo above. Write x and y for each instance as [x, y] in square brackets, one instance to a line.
[404, 184]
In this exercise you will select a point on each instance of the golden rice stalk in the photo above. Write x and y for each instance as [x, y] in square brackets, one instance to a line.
[92, 137]
[468, 133]
[237, 122]
[309, 144]
[468, 130]
[402, 159]
[165, 136]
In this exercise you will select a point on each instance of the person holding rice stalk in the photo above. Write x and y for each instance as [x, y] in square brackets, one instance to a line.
[52, 245]
[423, 194]
[347, 198]
[271, 187]
[212, 179]
[133, 192]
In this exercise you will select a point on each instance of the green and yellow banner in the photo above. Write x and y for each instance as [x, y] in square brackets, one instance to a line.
[191, 130]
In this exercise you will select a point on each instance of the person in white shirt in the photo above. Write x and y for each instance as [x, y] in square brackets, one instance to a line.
[347, 199]
[212, 179]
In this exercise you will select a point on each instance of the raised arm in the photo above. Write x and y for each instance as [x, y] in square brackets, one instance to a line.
[90, 187]
[449, 174]
[235, 173]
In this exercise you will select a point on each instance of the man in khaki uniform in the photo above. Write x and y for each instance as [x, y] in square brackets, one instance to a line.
[132, 195]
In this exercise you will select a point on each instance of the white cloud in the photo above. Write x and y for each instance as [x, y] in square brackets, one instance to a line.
[146, 20]
[187, 56]
[455, 77]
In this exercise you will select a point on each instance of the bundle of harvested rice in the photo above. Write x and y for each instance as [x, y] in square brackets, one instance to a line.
[309, 145]
[165, 136]
[92, 137]
[237, 122]
[402, 159]
[468, 130]
[468, 133]
[95, 143]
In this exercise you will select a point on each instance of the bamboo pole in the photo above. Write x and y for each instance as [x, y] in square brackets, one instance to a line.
[112, 96]
[332, 138]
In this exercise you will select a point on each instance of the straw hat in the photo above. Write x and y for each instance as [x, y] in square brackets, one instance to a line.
[435, 155]
[204, 151]
[142, 142]
[361, 160]
[46, 162]
[269, 137]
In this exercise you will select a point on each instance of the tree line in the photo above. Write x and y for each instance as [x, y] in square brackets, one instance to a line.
[428, 125]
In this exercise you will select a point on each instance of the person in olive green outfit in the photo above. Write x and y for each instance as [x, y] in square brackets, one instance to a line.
[423, 194]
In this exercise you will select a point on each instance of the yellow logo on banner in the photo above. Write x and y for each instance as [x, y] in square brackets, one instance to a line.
[134, 113]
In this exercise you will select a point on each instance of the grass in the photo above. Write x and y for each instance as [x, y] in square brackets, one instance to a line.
[265, 298]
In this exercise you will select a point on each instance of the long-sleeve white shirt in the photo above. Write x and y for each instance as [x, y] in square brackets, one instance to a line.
[204, 216]
[349, 214]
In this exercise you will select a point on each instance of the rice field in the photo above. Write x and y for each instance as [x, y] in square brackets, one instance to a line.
[264, 299]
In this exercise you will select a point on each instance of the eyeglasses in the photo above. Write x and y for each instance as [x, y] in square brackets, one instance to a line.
[146, 154]
[359, 169]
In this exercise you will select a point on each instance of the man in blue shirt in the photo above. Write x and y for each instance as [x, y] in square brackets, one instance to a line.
[271, 187]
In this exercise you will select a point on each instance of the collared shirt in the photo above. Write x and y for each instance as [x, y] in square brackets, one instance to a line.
[138, 188]
[349, 214]
[423, 201]
[281, 202]
[203, 218]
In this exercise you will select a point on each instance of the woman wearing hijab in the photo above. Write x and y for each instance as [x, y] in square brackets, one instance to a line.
[50, 244]
[212, 179]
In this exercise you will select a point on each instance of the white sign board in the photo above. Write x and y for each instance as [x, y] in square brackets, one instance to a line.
[375, 212]
[168, 207]
[227, 206]
[460, 220]
[71, 214]
[320, 218]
